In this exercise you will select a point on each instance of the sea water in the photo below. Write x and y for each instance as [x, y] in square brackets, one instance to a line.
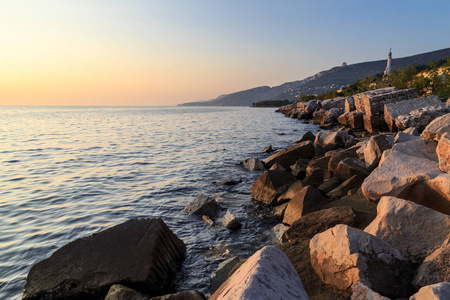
[68, 172]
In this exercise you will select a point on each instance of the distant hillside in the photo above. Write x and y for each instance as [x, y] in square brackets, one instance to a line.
[324, 81]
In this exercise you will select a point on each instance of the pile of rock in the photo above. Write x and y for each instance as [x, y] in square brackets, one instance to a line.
[373, 111]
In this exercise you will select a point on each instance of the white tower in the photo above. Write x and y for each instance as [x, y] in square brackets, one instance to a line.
[388, 67]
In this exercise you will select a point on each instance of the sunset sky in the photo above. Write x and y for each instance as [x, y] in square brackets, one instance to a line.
[107, 52]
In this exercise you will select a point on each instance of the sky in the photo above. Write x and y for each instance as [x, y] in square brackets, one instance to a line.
[153, 53]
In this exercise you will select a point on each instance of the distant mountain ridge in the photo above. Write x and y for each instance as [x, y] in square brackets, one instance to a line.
[324, 81]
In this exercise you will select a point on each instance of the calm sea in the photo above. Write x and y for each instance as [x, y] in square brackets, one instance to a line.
[67, 172]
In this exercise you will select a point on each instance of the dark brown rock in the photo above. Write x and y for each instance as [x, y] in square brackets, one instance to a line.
[329, 185]
[308, 200]
[185, 295]
[140, 253]
[290, 155]
[293, 190]
[308, 136]
[270, 185]
[320, 162]
[314, 177]
[202, 205]
[311, 224]
[337, 157]
[268, 149]
[353, 182]
[349, 167]
[299, 168]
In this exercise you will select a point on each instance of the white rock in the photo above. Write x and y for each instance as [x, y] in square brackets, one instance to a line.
[267, 274]
[279, 230]
[414, 230]
[439, 291]
[437, 128]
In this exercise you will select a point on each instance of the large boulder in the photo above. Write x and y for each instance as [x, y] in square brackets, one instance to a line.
[437, 128]
[421, 118]
[140, 253]
[401, 137]
[374, 149]
[307, 200]
[406, 164]
[435, 268]
[221, 274]
[330, 140]
[343, 255]
[266, 274]
[270, 185]
[290, 155]
[443, 152]
[414, 230]
[438, 291]
[252, 165]
[309, 225]
[350, 167]
[202, 205]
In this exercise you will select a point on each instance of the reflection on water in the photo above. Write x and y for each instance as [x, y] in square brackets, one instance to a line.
[67, 172]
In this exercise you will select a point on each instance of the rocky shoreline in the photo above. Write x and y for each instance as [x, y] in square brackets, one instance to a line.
[364, 214]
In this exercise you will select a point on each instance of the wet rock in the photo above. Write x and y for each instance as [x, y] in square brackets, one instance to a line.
[308, 136]
[140, 253]
[330, 140]
[329, 185]
[404, 137]
[313, 223]
[343, 255]
[230, 221]
[290, 155]
[414, 230]
[279, 230]
[202, 205]
[299, 168]
[443, 152]
[228, 181]
[252, 165]
[363, 292]
[185, 295]
[121, 292]
[435, 268]
[374, 148]
[306, 201]
[352, 183]
[221, 274]
[270, 185]
[268, 272]
[277, 167]
[290, 193]
[437, 291]
[268, 149]
[349, 167]
[208, 220]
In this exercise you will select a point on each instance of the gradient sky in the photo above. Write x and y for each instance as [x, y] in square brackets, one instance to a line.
[87, 52]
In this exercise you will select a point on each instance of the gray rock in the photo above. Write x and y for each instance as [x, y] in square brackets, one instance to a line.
[414, 230]
[252, 165]
[435, 268]
[401, 137]
[290, 155]
[279, 230]
[307, 200]
[374, 149]
[363, 292]
[221, 274]
[230, 221]
[139, 252]
[343, 255]
[267, 274]
[411, 131]
[270, 185]
[203, 205]
[439, 291]
[420, 118]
